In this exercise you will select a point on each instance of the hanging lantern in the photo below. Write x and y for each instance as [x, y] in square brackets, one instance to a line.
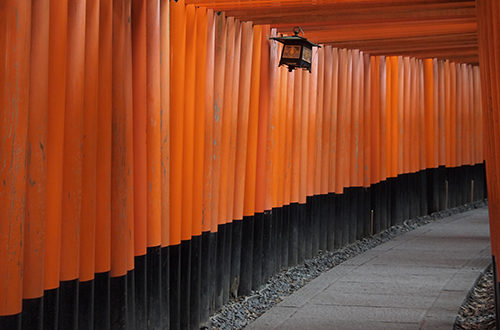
[297, 51]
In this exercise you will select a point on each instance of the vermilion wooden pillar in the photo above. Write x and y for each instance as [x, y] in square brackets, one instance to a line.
[489, 56]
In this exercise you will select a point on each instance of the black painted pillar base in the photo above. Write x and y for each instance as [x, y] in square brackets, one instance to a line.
[293, 244]
[175, 285]
[335, 214]
[195, 283]
[247, 241]
[185, 285]
[130, 299]
[497, 290]
[433, 190]
[301, 233]
[212, 274]
[315, 214]
[323, 222]
[165, 286]
[332, 222]
[11, 322]
[32, 314]
[85, 306]
[257, 251]
[140, 272]
[277, 214]
[344, 217]
[237, 226]
[68, 304]
[153, 287]
[219, 267]
[226, 262]
[205, 283]
[50, 309]
[285, 251]
[118, 310]
[267, 251]
[102, 301]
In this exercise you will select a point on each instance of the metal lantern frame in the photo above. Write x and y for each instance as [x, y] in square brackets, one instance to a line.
[296, 52]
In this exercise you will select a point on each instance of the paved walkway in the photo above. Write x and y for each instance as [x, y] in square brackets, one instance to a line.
[415, 281]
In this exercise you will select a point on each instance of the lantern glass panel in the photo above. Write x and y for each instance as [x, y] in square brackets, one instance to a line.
[307, 54]
[292, 51]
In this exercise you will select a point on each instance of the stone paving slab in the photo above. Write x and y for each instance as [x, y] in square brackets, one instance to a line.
[351, 325]
[415, 281]
[372, 299]
[332, 314]
[347, 286]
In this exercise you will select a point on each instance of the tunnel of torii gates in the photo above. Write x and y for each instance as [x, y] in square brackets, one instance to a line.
[155, 161]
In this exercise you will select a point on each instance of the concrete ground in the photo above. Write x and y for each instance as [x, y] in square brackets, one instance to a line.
[416, 281]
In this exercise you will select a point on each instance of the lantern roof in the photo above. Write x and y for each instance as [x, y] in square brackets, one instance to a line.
[294, 40]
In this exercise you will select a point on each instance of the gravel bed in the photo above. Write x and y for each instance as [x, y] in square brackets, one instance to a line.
[241, 311]
[478, 310]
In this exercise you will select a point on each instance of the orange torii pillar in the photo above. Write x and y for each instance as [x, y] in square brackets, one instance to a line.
[488, 22]
[251, 164]
[15, 37]
[103, 170]
[35, 221]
